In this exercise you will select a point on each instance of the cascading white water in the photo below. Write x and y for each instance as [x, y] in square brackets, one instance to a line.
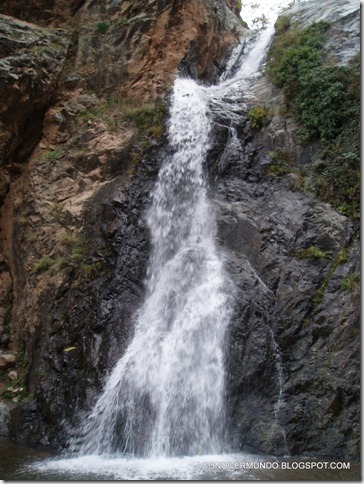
[165, 396]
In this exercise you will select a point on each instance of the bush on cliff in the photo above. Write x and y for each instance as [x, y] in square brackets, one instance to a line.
[325, 100]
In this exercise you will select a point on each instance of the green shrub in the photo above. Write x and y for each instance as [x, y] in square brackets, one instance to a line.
[52, 154]
[77, 254]
[63, 262]
[350, 282]
[89, 271]
[294, 53]
[320, 102]
[102, 27]
[325, 101]
[282, 24]
[148, 118]
[313, 252]
[139, 115]
[43, 265]
[342, 256]
[281, 160]
[258, 117]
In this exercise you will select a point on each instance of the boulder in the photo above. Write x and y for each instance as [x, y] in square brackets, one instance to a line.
[7, 360]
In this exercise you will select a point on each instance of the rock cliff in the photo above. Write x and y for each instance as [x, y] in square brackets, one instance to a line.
[83, 112]
[84, 90]
[294, 344]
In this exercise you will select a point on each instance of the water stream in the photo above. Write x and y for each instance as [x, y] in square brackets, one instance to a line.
[165, 395]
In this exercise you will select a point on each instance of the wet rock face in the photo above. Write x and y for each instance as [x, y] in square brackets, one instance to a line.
[291, 260]
[277, 301]
[89, 315]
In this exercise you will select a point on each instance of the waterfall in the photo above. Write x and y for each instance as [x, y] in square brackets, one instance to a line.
[165, 396]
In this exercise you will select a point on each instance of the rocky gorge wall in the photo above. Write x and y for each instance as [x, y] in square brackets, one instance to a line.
[83, 113]
[84, 91]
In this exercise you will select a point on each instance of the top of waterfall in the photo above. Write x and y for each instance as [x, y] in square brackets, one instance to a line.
[264, 14]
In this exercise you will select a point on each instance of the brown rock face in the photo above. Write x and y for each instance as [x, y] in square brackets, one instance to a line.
[31, 61]
[41, 11]
[81, 123]
[162, 37]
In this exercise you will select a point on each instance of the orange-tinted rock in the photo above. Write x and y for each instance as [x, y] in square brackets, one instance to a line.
[139, 47]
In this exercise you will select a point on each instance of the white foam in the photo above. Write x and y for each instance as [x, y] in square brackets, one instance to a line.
[226, 466]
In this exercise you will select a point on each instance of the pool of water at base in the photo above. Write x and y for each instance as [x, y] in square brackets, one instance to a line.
[21, 463]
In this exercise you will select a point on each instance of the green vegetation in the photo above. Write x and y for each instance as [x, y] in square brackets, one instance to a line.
[57, 212]
[76, 255]
[89, 271]
[282, 24]
[341, 258]
[146, 117]
[258, 117]
[62, 262]
[14, 389]
[325, 101]
[52, 154]
[107, 111]
[294, 53]
[313, 252]
[102, 27]
[43, 265]
[350, 282]
[22, 359]
[139, 115]
[280, 162]
[70, 239]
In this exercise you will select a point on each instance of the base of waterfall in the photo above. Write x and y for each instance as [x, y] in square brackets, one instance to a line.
[103, 467]
[224, 467]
